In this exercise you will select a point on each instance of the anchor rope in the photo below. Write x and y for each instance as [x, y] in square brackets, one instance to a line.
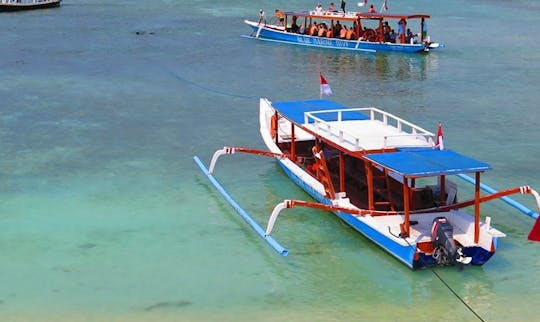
[212, 90]
[457, 296]
[444, 282]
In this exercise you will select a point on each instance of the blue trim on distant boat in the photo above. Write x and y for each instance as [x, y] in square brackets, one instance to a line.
[309, 45]
[246, 216]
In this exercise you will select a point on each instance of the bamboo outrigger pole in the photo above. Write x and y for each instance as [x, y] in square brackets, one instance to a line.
[271, 241]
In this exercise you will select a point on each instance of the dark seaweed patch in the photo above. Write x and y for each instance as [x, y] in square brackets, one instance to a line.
[167, 305]
[87, 246]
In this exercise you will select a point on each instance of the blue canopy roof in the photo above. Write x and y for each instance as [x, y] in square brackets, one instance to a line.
[427, 162]
[294, 110]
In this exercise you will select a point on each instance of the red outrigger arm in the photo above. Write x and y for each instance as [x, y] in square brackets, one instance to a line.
[534, 235]
[496, 195]
[232, 150]
[300, 203]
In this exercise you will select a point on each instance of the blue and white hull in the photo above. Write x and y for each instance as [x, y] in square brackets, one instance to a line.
[279, 34]
[385, 230]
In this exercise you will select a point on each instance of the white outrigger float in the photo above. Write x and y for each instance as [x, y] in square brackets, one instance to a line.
[382, 175]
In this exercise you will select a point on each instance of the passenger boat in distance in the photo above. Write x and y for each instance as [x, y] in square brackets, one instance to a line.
[384, 176]
[358, 31]
[19, 5]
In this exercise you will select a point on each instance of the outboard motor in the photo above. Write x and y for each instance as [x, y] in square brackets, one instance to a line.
[444, 247]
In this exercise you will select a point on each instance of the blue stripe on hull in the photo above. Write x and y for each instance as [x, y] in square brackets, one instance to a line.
[403, 253]
[334, 43]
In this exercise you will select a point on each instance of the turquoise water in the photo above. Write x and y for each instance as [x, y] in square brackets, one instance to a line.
[104, 216]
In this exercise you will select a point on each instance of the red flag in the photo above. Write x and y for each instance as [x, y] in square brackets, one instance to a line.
[439, 143]
[325, 88]
[534, 235]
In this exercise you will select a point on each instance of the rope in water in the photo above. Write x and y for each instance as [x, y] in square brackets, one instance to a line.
[457, 295]
[444, 282]
[213, 90]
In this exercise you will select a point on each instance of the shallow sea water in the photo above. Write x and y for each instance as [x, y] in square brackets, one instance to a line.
[104, 216]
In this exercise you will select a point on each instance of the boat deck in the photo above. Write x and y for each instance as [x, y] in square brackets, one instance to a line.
[368, 135]
[355, 129]
[420, 229]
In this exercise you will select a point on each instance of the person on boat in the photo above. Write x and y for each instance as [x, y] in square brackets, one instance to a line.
[372, 9]
[331, 7]
[294, 27]
[364, 34]
[351, 35]
[343, 3]
[411, 36]
[280, 15]
[322, 30]
[424, 30]
[319, 9]
[312, 31]
[330, 32]
[369, 34]
[343, 32]
[392, 36]
[262, 18]
[337, 29]
[386, 31]
[401, 30]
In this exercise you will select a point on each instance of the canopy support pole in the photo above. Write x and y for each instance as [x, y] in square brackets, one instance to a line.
[477, 209]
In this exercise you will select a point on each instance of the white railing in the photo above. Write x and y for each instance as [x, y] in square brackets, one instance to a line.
[407, 128]
[399, 123]
[323, 125]
[332, 14]
[417, 136]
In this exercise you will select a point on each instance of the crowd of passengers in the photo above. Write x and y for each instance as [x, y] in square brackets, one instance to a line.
[343, 32]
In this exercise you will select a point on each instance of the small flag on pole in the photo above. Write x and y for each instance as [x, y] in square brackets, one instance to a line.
[439, 143]
[384, 6]
[325, 88]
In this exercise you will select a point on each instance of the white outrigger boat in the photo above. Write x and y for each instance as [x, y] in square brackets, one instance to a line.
[382, 175]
